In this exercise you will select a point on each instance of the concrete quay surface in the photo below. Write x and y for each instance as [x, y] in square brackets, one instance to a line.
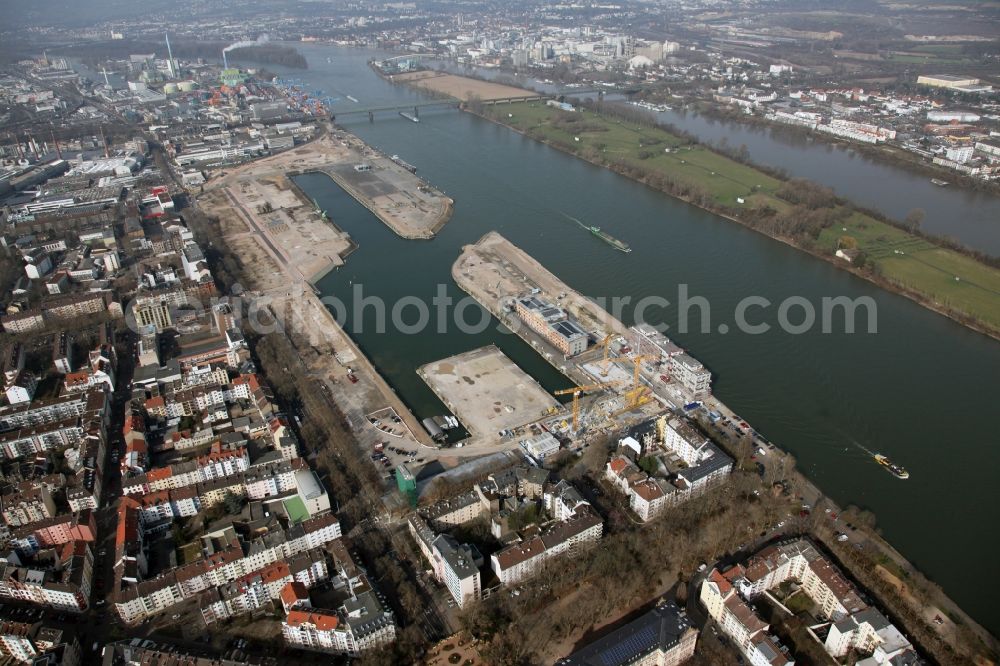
[487, 391]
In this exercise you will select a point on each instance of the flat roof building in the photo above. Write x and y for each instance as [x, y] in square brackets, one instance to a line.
[664, 635]
[553, 324]
[460, 571]
[946, 80]
[541, 446]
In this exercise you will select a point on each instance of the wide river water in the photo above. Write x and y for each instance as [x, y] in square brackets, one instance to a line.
[922, 389]
[972, 218]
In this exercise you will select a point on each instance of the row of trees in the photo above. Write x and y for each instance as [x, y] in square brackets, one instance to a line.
[905, 605]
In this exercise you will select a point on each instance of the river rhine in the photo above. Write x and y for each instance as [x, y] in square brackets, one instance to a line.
[922, 390]
[969, 217]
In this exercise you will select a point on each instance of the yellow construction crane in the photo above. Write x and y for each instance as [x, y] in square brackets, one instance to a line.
[577, 391]
[636, 366]
[634, 398]
[638, 395]
[606, 344]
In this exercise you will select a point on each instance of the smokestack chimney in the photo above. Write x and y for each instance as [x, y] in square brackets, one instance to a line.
[225, 62]
[170, 54]
[104, 141]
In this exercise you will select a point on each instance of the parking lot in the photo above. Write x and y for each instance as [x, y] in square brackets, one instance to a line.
[392, 443]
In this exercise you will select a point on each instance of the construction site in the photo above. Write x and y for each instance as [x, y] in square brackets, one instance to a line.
[388, 187]
[286, 244]
[272, 218]
[385, 185]
[461, 87]
[613, 386]
[488, 392]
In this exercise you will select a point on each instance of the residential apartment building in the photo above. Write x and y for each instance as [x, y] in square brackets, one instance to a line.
[741, 623]
[23, 322]
[704, 466]
[136, 599]
[869, 632]
[31, 502]
[260, 588]
[72, 306]
[62, 583]
[52, 410]
[691, 374]
[15, 641]
[645, 340]
[55, 531]
[849, 622]
[455, 565]
[525, 558]
[131, 652]
[30, 440]
[220, 462]
[36, 643]
[453, 511]
[361, 624]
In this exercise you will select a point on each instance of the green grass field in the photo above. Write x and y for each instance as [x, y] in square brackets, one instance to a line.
[928, 59]
[944, 276]
[725, 179]
[943, 49]
[925, 267]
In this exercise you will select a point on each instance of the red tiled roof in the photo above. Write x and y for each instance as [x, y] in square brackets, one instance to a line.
[648, 490]
[136, 446]
[520, 552]
[159, 473]
[274, 572]
[155, 498]
[618, 464]
[724, 585]
[293, 592]
[128, 522]
[132, 422]
[216, 455]
[322, 621]
[735, 572]
[250, 379]
[745, 615]
[79, 377]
